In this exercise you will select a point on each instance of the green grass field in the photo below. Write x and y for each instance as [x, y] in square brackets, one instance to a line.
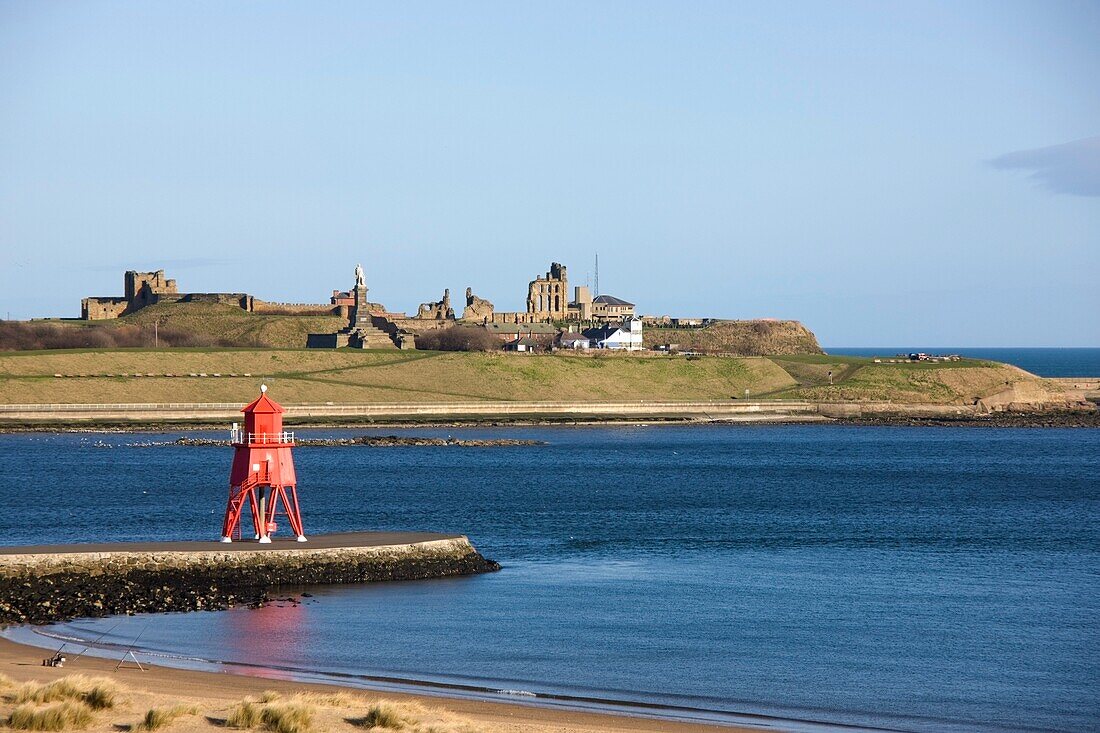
[227, 322]
[298, 376]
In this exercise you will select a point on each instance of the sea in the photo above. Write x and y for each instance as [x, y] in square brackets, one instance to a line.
[1060, 362]
[800, 577]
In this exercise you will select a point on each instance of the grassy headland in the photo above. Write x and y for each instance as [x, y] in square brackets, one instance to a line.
[175, 324]
[744, 338]
[351, 376]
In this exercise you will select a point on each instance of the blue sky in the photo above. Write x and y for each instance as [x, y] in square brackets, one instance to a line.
[888, 173]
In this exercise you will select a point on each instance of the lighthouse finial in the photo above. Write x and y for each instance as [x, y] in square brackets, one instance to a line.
[263, 388]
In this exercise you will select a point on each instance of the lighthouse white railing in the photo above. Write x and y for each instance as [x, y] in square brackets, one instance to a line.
[239, 437]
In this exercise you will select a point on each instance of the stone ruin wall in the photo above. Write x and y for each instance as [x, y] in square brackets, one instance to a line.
[417, 325]
[438, 310]
[143, 289]
[299, 309]
[155, 283]
[477, 310]
[240, 300]
[101, 309]
[517, 317]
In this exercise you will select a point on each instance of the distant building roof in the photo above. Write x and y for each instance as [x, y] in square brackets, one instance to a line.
[610, 300]
[572, 338]
[600, 333]
[524, 341]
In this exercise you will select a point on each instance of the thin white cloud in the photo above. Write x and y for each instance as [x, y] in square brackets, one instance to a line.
[1071, 168]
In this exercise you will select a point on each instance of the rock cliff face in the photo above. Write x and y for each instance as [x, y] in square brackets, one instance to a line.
[741, 338]
[49, 587]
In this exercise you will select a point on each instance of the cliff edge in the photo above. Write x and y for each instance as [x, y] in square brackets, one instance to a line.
[739, 338]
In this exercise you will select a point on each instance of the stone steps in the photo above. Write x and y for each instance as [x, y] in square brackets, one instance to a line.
[375, 338]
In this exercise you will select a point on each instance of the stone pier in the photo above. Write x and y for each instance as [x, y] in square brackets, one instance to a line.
[45, 584]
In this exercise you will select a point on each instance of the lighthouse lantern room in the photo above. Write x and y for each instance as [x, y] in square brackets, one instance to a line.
[262, 476]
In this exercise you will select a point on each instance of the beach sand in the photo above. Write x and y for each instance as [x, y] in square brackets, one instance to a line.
[215, 694]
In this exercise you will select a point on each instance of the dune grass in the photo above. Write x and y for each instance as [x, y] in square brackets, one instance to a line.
[326, 699]
[385, 714]
[244, 715]
[411, 717]
[287, 717]
[57, 716]
[272, 713]
[157, 718]
[97, 693]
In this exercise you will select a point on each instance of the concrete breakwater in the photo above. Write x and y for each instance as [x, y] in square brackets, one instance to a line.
[42, 585]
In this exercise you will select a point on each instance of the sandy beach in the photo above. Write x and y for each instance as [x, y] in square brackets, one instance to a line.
[213, 696]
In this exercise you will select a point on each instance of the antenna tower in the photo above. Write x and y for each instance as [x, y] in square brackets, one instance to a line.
[597, 273]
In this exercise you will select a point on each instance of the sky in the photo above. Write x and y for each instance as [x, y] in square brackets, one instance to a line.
[922, 173]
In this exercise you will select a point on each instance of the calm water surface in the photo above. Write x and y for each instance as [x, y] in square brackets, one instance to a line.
[922, 579]
[1071, 362]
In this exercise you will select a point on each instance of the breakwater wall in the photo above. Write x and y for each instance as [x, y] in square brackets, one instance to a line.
[44, 585]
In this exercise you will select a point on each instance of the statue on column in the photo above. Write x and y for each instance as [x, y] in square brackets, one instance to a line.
[360, 280]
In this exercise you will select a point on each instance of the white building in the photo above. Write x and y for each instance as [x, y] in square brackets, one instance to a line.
[574, 341]
[627, 337]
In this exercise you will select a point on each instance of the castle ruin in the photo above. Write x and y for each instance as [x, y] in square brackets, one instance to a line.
[143, 289]
[547, 297]
[371, 325]
[139, 290]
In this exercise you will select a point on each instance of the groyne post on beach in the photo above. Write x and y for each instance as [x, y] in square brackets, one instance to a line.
[47, 584]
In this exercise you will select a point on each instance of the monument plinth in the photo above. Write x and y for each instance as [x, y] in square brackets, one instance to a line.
[360, 315]
[365, 330]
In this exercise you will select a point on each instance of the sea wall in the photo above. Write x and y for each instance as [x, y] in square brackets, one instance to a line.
[42, 588]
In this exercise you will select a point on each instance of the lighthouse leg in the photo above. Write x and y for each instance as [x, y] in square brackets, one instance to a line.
[296, 514]
[255, 508]
[232, 515]
[261, 531]
[291, 509]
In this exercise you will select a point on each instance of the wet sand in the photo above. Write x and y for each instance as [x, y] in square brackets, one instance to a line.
[213, 694]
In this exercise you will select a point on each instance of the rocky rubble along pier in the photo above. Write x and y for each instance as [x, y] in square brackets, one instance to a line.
[378, 441]
[42, 585]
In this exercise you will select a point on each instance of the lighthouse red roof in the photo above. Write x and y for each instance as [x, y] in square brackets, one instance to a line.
[262, 405]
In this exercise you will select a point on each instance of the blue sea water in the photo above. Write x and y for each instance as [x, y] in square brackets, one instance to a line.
[919, 579]
[1062, 362]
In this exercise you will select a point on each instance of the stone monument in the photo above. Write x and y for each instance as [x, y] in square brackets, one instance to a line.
[360, 312]
[365, 330]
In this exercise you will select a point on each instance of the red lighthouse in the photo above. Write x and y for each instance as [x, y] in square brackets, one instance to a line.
[263, 472]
